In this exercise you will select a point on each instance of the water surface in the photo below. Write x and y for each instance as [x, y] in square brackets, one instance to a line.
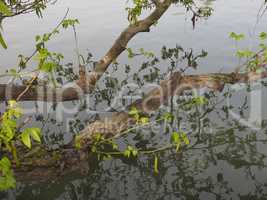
[222, 165]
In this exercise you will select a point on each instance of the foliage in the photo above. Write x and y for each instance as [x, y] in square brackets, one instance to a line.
[9, 137]
[7, 179]
[236, 37]
[49, 62]
[255, 60]
[18, 7]
[136, 10]
[4, 10]
[100, 144]
[139, 6]
[195, 101]
[29, 133]
[138, 117]
[146, 54]
[10, 133]
[10, 8]
[9, 125]
[69, 22]
[178, 138]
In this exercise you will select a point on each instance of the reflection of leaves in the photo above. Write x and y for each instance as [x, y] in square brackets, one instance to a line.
[130, 151]
[179, 55]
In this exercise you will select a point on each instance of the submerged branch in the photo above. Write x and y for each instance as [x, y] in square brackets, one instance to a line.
[175, 84]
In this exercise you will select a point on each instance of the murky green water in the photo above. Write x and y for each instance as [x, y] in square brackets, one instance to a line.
[226, 158]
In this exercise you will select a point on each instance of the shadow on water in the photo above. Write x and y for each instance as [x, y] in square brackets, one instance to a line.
[226, 157]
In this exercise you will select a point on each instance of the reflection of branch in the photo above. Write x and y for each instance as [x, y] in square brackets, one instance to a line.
[215, 81]
[175, 84]
[34, 78]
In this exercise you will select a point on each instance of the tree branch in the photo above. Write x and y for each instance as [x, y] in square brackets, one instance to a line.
[86, 82]
[120, 45]
[175, 84]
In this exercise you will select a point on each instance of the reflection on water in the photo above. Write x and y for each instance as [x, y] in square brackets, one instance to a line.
[222, 162]
[225, 159]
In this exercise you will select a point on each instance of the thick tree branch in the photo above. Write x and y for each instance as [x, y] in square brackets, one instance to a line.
[73, 92]
[110, 127]
[121, 43]
[86, 82]
[40, 93]
[175, 84]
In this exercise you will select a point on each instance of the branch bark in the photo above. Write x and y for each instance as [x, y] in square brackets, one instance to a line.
[121, 43]
[175, 84]
[112, 126]
[47, 167]
[86, 82]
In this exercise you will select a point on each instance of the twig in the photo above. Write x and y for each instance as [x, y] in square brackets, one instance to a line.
[28, 87]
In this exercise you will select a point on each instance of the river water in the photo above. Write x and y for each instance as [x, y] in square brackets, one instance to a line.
[224, 164]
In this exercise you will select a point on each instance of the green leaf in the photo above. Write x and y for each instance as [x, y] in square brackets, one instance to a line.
[114, 146]
[36, 134]
[232, 35]
[130, 148]
[178, 147]
[135, 152]
[144, 120]
[4, 9]
[48, 67]
[2, 42]
[9, 132]
[78, 142]
[127, 153]
[12, 103]
[133, 111]
[25, 138]
[5, 163]
[7, 179]
[130, 53]
[236, 37]
[156, 161]
[244, 53]
[168, 116]
[185, 138]
[175, 138]
[69, 22]
[37, 38]
[263, 36]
